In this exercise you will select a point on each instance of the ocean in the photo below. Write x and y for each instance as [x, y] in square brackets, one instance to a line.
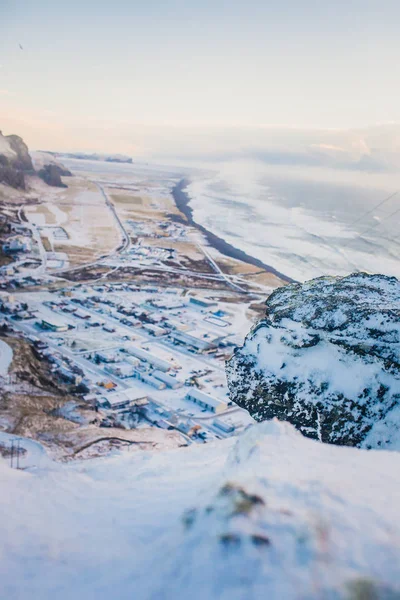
[304, 222]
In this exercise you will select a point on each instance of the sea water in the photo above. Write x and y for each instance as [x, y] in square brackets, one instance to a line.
[303, 222]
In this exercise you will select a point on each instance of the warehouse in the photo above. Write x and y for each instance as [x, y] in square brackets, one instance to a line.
[225, 427]
[154, 329]
[124, 399]
[151, 359]
[200, 340]
[202, 303]
[205, 401]
[150, 380]
[171, 382]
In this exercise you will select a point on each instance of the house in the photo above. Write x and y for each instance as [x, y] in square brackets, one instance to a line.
[206, 401]
[54, 324]
[81, 314]
[69, 376]
[121, 370]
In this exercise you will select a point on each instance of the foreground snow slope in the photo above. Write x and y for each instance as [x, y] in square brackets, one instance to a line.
[270, 515]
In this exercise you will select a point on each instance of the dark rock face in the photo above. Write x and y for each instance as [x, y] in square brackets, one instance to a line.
[23, 161]
[52, 173]
[327, 359]
[10, 176]
[16, 163]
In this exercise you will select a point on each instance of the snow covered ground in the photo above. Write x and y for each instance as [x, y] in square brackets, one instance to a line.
[270, 515]
[6, 355]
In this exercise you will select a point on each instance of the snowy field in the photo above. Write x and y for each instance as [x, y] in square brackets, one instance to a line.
[6, 355]
[271, 515]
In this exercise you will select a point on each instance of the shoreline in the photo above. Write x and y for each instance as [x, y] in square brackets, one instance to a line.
[182, 202]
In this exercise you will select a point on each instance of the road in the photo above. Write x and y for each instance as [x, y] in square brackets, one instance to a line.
[218, 269]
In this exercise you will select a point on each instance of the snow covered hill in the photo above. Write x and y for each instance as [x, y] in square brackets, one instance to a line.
[270, 515]
[327, 359]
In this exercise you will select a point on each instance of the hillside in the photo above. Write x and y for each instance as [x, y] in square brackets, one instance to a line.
[16, 163]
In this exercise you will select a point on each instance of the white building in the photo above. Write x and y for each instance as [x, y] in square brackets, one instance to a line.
[121, 370]
[154, 329]
[171, 382]
[124, 399]
[201, 340]
[151, 359]
[54, 324]
[206, 401]
[150, 380]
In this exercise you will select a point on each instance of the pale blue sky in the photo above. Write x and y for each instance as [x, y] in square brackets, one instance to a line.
[116, 64]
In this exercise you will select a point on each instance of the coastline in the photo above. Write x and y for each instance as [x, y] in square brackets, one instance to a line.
[182, 202]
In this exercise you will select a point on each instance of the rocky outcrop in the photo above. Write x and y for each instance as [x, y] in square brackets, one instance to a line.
[327, 359]
[23, 159]
[15, 161]
[52, 173]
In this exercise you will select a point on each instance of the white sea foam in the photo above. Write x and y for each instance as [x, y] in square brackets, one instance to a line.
[301, 223]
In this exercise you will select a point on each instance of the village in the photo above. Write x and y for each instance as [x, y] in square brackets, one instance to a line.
[137, 354]
[132, 314]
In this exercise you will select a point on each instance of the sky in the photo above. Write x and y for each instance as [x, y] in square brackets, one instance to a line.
[95, 73]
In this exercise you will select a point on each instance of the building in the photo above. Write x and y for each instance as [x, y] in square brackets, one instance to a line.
[154, 329]
[199, 340]
[81, 314]
[225, 427]
[171, 382]
[106, 358]
[206, 401]
[131, 397]
[151, 359]
[132, 360]
[202, 303]
[17, 244]
[121, 370]
[166, 303]
[150, 380]
[69, 376]
[172, 324]
[54, 324]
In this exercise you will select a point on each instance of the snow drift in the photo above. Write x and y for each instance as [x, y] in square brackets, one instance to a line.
[270, 515]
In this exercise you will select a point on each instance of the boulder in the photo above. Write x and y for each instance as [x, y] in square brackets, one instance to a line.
[326, 358]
